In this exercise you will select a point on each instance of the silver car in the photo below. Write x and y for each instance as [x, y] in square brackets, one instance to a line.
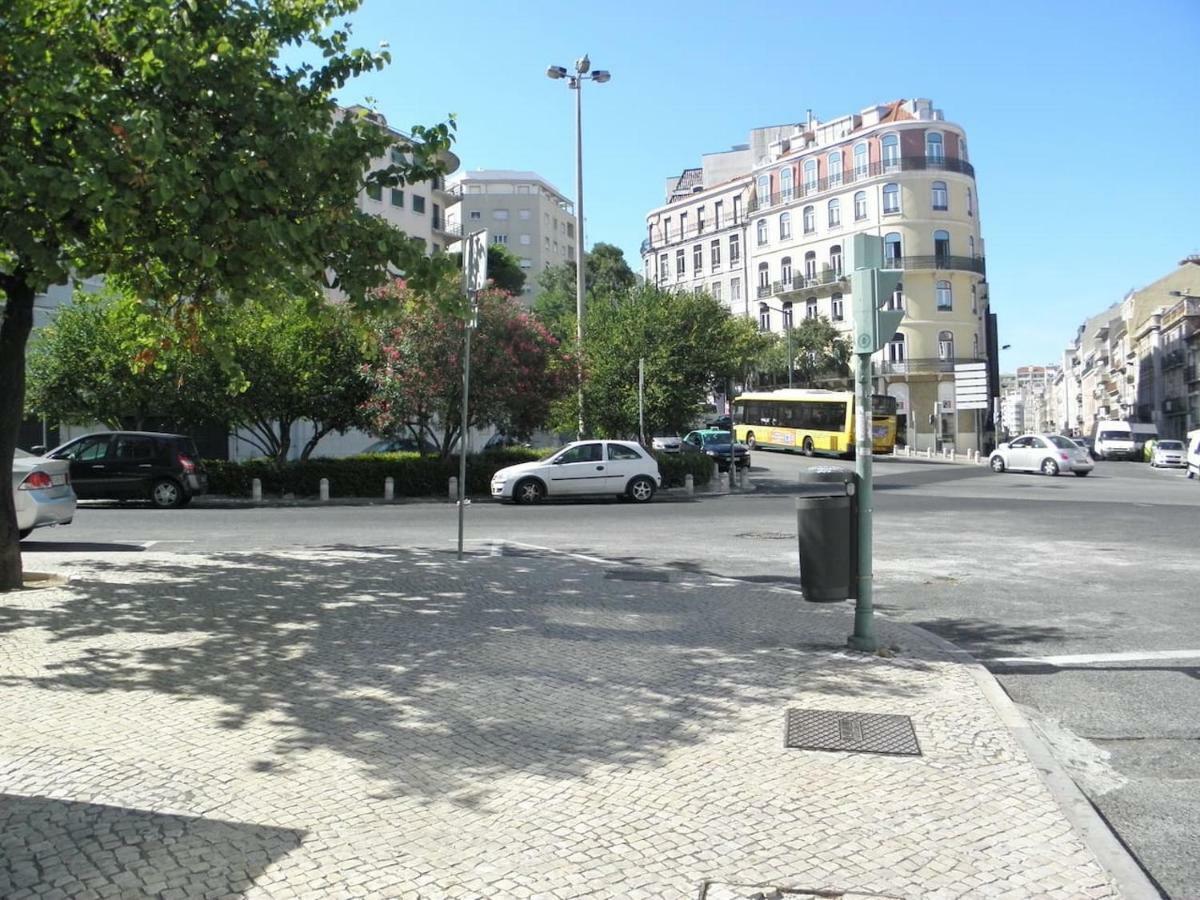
[42, 492]
[1050, 454]
[1170, 454]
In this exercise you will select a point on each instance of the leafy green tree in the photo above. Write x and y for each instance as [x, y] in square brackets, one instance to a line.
[518, 369]
[819, 353]
[504, 269]
[606, 277]
[164, 142]
[605, 271]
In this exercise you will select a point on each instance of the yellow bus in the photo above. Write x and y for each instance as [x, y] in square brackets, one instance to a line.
[811, 421]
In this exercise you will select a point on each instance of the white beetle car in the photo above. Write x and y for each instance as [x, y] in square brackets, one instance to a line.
[617, 468]
[1049, 454]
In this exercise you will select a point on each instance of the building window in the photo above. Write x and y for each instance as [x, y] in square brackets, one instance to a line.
[700, 220]
[526, 262]
[697, 259]
[526, 240]
[962, 148]
[891, 198]
[735, 289]
[861, 160]
[945, 345]
[835, 260]
[810, 176]
[664, 265]
[787, 316]
[680, 262]
[764, 275]
[735, 249]
[764, 317]
[397, 157]
[716, 290]
[761, 231]
[835, 213]
[970, 203]
[945, 297]
[940, 196]
[971, 245]
[835, 169]
[682, 225]
[475, 215]
[524, 214]
[666, 228]
[764, 190]
[941, 248]
[718, 211]
[737, 210]
[418, 204]
[785, 184]
[860, 205]
[934, 147]
[810, 267]
[810, 219]
[974, 303]
[715, 255]
[896, 301]
[839, 312]
[785, 226]
[891, 249]
[891, 152]
[375, 191]
[785, 270]
[499, 238]
[500, 215]
[896, 350]
[810, 308]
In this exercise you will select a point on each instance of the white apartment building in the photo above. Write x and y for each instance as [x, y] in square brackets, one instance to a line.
[768, 227]
[1026, 400]
[522, 211]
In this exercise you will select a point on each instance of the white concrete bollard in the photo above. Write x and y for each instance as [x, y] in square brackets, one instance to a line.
[929, 453]
[389, 488]
[453, 489]
[741, 477]
[324, 490]
[689, 485]
[256, 490]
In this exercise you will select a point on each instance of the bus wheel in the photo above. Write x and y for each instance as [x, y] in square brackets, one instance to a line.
[750, 440]
[808, 446]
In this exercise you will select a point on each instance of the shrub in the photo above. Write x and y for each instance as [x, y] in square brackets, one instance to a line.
[675, 466]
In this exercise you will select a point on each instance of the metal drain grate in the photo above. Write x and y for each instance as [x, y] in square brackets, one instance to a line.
[826, 729]
[636, 575]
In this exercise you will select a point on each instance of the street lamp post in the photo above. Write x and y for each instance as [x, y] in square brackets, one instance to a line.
[787, 327]
[575, 82]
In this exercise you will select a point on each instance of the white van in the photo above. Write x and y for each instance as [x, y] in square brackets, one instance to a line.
[1114, 440]
[1193, 454]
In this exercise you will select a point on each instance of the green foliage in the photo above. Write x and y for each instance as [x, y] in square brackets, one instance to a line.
[818, 351]
[675, 467]
[361, 476]
[504, 269]
[606, 275]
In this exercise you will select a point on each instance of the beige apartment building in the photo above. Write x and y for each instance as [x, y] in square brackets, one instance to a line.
[520, 210]
[768, 226]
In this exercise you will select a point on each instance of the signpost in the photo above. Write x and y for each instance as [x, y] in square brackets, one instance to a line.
[971, 392]
[874, 325]
[474, 281]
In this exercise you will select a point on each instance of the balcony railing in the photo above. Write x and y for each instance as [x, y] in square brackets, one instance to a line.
[707, 230]
[923, 366]
[1192, 374]
[453, 228]
[946, 262]
[804, 190]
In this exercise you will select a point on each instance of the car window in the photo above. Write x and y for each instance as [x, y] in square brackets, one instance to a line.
[620, 451]
[1115, 436]
[693, 438]
[582, 453]
[134, 448]
[1063, 443]
[87, 450]
[1019, 443]
[1170, 445]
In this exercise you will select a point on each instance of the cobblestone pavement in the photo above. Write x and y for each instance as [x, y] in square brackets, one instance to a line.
[391, 723]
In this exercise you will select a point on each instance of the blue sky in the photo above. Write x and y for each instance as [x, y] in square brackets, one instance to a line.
[1081, 117]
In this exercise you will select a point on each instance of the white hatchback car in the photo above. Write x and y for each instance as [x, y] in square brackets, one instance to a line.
[618, 468]
[1049, 454]
[1170, 454]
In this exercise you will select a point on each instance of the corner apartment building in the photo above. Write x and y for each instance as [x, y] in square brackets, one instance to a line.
[767, 227]
[522, 211]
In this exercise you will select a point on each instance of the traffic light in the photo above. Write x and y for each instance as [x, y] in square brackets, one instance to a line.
[873, 288]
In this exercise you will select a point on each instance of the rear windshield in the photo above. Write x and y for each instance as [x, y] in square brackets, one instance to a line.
[1061, 442]
[1170, 445]
[1116, 436]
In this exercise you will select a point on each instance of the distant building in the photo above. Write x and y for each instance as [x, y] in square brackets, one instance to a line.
[1025, 400]
[767, 228]
[520, 210]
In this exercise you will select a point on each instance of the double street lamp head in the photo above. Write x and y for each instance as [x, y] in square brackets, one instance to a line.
[583, 66]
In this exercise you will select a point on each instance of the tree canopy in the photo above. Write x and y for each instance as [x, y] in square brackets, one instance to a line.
[606, 276]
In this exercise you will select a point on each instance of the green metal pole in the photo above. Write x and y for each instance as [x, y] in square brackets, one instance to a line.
[863, 637]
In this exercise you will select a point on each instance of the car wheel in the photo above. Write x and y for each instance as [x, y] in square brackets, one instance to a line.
[167, 494]
[641, 489]
[529, 491]
[997, 463]
[808, 446]
[1082, 474]
[1049, 467]
[24, 533]
[750, 442]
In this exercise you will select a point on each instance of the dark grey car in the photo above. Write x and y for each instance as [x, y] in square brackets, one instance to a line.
[135, 465]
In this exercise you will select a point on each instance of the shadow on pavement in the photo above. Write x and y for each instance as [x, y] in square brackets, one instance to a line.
[31, 545]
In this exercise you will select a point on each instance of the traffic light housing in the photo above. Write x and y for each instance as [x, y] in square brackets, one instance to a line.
[873, 287]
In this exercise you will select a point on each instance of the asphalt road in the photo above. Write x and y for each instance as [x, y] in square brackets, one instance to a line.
[1078, 593]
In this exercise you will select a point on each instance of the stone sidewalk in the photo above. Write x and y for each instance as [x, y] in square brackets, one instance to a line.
[388, 723]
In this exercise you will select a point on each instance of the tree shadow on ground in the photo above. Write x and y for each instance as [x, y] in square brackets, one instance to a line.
[434, 676]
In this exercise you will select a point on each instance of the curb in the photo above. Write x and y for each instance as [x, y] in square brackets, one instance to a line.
[1131, 880]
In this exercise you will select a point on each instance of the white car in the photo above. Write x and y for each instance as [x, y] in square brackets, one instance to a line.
[1171, 454]
[42, 492]
[1049, 454]
[618, 468]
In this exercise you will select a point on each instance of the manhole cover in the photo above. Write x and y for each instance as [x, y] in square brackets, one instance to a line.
[825, 729]
[636, 575]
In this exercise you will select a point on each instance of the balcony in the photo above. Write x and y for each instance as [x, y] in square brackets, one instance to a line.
[707, 230]
[943, 262]
[804, 190]
[1192, 374]
[450, 228]
[1173, 359]
[922, 366]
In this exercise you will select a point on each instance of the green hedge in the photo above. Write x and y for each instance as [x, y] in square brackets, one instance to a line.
[361, 476]
[675, 466]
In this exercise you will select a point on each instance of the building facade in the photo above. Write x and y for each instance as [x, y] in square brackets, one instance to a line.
[768, 228]
[520, 210]
[1026, 400]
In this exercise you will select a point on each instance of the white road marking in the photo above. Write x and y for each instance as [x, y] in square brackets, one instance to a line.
[146, 545]
[1083, 659]
[585, 558]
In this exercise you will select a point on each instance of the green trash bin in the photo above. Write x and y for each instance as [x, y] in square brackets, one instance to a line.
[827, 533]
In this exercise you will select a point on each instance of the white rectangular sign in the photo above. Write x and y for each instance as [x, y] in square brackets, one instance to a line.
[475, 262]
[973, 404]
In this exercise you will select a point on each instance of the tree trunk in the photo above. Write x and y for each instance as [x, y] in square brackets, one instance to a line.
[285, 441]
[15, 324]
[319, 432]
